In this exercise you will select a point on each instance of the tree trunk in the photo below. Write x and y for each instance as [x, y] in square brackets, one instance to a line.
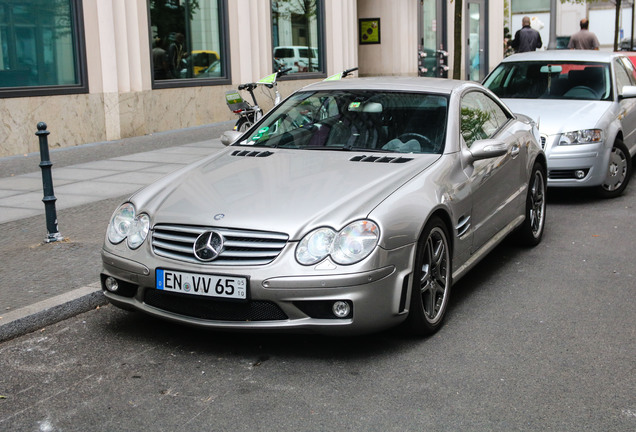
[617, 25]
[458, 40]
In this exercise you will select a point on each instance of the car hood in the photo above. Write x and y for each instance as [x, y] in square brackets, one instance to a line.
[277, 190]
[557, 116]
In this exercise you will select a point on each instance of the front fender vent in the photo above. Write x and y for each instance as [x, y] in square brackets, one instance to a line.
[463, 225]
[252, 153]
[380, 159]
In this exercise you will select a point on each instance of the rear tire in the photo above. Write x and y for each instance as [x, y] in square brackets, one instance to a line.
[431, 284]
[242, 125]
[531, 231]
[619, 171]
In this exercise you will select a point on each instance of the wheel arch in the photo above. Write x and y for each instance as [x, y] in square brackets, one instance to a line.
[544, 163]
[614, 130]
[446, 219]
[618, 135]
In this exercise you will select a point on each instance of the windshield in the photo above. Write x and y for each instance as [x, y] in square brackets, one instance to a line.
[354, 120]
[551, 80]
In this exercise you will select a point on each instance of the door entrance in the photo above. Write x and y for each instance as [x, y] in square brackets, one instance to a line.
[476, 38]
[431, 36]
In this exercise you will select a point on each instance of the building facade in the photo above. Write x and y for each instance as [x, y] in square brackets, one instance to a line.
[101, 70]
[601, 15]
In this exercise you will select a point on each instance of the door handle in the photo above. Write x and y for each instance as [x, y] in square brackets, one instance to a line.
[515, 150]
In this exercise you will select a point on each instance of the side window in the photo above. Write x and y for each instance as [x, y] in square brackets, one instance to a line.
[481, 117]
[42, 48]
[297, 36]
[631, 72]
[188, 42]
[622, 77]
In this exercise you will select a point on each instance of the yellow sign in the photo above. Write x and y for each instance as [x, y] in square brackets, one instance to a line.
[369, 30]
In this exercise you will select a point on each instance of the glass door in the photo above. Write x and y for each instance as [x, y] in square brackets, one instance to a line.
[476, 39]
[429, 42]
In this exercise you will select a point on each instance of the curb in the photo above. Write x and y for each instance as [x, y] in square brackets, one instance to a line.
[50, 311]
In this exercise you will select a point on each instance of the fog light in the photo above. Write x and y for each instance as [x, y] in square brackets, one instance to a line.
[111, 284]
[579, 174]
[341, 309]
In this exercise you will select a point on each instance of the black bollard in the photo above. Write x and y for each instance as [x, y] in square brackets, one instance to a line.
[49, 199]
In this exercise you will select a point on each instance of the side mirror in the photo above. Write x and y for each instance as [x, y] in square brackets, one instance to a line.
[487, 149]
[230, 137]
[628, 92]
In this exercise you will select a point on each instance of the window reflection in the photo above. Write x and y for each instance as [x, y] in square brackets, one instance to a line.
[296, 34]
[37, 44]
[187, 39]
[481, 117]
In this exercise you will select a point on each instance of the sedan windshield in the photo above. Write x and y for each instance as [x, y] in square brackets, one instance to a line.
[354, 120]
[551, 80]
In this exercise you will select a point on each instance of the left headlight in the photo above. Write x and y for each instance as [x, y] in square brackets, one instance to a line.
[126, 224]
[584, 136]
[348, 246]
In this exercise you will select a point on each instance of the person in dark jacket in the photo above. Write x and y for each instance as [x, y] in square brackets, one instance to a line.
[526, 39]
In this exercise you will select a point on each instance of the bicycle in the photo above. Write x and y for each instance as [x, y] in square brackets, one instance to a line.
[340, 75]
[248, 113]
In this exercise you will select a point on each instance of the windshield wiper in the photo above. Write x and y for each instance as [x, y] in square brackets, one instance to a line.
[348, 149]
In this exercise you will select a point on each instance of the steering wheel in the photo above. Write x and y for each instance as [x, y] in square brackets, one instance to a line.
[425, 142]
[581, 91]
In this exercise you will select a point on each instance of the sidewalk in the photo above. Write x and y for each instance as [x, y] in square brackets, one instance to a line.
[44, 283]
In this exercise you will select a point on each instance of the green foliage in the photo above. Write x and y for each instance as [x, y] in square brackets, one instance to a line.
[472, 124]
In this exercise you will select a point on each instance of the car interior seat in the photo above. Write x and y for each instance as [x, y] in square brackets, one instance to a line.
[588, 83]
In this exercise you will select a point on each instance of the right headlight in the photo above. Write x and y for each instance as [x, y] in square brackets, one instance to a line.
[126, 224]
[583, 136]
[350, 245]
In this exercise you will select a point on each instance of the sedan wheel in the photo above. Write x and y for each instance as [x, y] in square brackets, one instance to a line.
[431, 280]
[618, 173]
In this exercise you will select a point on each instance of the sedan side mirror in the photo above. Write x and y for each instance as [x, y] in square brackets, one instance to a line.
[230, 137]
[487, 149]
[628, 92]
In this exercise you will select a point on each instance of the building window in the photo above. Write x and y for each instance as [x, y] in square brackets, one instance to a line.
[529, 6]
[41, 48]
[297, 33]
[188, 42]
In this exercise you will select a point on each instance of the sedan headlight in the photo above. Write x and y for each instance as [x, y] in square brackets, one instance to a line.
[584, 136]
[348, 246]
[126, 224]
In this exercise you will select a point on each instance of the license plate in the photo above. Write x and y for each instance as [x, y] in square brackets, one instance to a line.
[202, 284]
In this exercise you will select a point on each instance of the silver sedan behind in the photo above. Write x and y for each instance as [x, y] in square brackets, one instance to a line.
[585, 105]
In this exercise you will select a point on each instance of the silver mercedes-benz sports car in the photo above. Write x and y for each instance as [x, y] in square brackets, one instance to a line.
[351, 207]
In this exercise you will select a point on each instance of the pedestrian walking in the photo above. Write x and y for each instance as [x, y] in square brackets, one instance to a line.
[584, 39]
[526, 39]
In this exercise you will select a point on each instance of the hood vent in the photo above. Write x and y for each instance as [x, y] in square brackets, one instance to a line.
[380, 159]
[252, 153]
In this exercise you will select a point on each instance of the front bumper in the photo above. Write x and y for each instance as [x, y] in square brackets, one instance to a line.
[566, 163]
[279, 299]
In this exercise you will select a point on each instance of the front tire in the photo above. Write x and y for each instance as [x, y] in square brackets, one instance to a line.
[619, 171]
[431, 284]
[531, 232]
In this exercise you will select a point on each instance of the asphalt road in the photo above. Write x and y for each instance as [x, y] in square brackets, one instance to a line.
[540, 339]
